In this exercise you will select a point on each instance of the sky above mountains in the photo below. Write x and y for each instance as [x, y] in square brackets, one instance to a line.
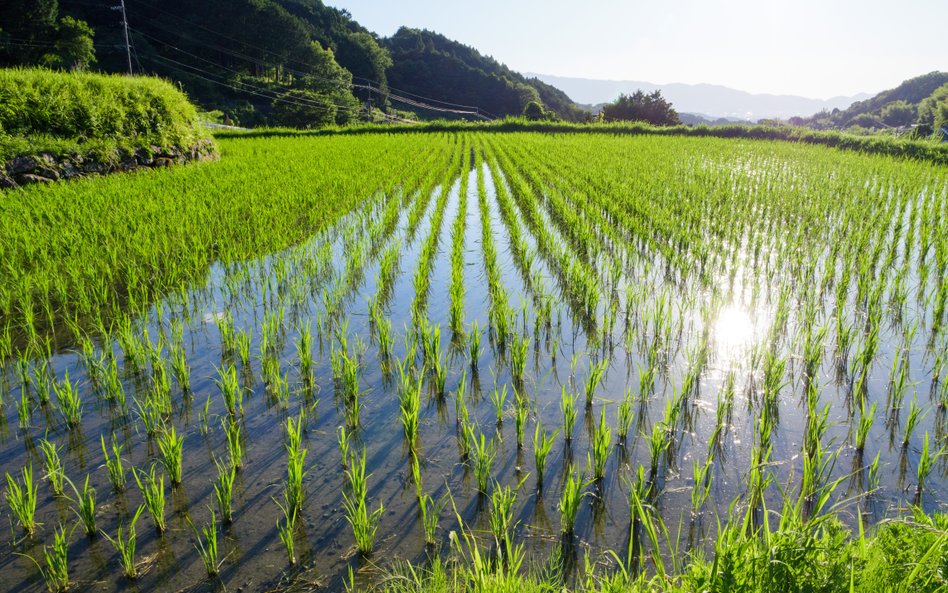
[813, 48]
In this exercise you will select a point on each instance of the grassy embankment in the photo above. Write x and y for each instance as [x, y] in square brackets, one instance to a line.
[95, 123]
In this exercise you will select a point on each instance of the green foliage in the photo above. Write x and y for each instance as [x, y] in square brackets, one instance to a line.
[95, 114]
[650, 108]
[898, 113]
[304, 109]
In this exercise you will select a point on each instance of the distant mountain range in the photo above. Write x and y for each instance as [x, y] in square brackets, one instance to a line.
[712, 101]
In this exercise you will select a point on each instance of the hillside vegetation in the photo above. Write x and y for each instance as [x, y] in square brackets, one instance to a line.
[98, 120]
[297, 63]
[921, 101]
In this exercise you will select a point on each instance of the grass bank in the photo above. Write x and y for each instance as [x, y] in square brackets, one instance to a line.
[922, 150]
[75, 123]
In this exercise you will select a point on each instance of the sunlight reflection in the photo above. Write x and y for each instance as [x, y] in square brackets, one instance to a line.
[733, 331]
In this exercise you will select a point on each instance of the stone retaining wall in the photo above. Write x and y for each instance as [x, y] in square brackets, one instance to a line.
[46, 168]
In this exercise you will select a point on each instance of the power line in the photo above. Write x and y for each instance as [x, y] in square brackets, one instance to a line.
[420, 101]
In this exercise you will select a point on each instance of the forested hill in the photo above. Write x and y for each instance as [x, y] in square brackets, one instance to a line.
[921, 101]
[269, 61]
[430, 64]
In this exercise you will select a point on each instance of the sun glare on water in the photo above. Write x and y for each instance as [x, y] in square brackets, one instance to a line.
[733, 330]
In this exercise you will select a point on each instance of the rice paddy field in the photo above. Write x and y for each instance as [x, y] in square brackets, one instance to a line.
[324, 356]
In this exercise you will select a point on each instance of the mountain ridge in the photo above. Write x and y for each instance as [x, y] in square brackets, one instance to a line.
[709, 99]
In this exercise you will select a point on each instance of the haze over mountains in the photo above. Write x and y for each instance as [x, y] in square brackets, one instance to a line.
[707, 99]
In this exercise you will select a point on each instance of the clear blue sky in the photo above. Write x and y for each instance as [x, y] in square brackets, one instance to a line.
[814, 48]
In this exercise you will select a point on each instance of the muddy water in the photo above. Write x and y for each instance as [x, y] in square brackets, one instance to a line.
[253, 557]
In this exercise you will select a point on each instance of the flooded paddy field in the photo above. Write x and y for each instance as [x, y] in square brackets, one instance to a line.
[533, 341]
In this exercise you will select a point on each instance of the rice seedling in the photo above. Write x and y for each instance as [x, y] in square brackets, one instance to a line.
[482, 458]
[926, 462]
[915, 416]
[152, 487]
[113, 464]
[593, 379]
[235, 443]
[343, 439]
[521, 410]
[474, 345]
[24, 410]
[85, 508]
[498, 398]
[568, 408]
[542, 445]
[171, 446]
[53, 465]
[230, 389]
[296, 455]
[570, 499]
[224, 490]
[304, 349]
[55, 567]
[21, 496]
[68, 401]
[624, 417]
[363, 522]
[125, 543]
[502, 500]
[286, 530]
[601, 447]
[430, 516]
[866, 418]
[206, 545]
[518, 358]
[410, 406]
[701, 489]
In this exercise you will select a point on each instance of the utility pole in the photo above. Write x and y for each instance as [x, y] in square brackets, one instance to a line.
[128, 49]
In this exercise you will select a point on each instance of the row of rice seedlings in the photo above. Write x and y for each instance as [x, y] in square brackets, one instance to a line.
[499, 311]
[456, 291]
[422, 277]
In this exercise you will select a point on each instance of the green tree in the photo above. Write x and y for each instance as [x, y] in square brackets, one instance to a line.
[639, 106]
[73, 49]
[304, 109]
[534, 110]
[898, 113]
